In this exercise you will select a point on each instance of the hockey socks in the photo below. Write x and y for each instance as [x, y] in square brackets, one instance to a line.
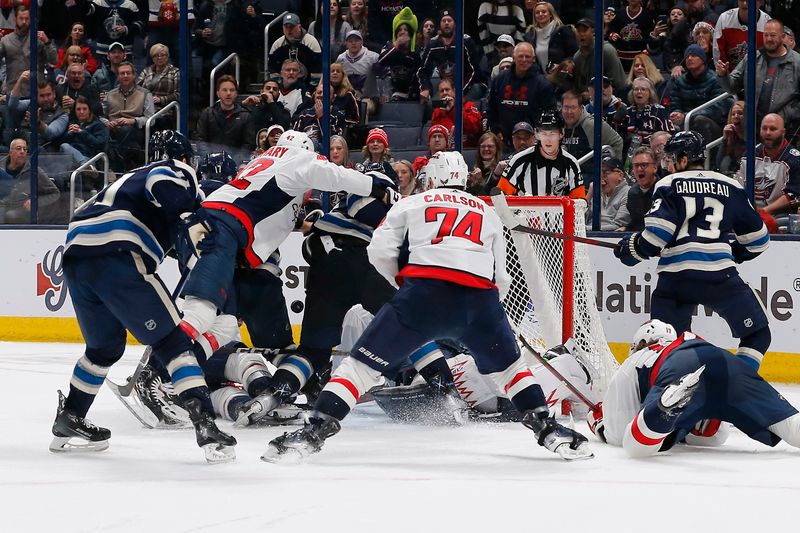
[85, 383]
[518, 383]
[352, 379]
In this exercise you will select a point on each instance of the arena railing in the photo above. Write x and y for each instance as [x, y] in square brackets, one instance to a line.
[270, 24]
[583, 159]
[211, 92]
[687, 120]
[713, 144]
[149, 124]
[85, 166]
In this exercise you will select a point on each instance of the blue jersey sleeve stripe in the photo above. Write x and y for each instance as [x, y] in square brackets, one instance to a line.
[343, 224]
[695, 256]
[117, 225]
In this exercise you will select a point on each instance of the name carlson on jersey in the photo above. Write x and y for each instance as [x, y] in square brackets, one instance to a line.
[455, 199]
[702, 187]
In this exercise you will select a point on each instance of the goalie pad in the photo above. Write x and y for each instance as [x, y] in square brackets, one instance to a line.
[479, 391]
[709, 432]
[418, 403]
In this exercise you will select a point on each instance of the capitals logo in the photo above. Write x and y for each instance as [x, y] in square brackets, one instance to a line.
[50, 279]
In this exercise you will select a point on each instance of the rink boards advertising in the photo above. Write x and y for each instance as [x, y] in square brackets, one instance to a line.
[35, 305]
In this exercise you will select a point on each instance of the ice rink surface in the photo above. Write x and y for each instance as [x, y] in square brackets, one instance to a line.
[374, 476]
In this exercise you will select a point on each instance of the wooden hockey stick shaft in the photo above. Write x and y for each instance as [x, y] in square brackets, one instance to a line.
[511, 222]
[573, 389]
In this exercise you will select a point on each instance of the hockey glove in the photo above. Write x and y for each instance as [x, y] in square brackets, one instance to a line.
[741, 253]
[595, 421]
[194, 237]
[384, 188]
[626, 250]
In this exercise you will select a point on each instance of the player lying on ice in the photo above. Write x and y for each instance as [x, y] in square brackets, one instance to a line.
[446, 250]
[674, 388]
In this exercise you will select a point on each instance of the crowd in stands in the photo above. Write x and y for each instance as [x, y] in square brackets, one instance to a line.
[106, 67]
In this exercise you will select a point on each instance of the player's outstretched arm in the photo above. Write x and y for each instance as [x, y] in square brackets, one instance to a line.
[384, 249]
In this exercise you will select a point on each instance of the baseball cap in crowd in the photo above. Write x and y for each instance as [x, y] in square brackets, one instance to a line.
[606, 81]
[116, 44]
[438, 128]
[354, 33]
[585, 21]
[506, 61]
[379, 134]
[291, 18]
[695, 50]
[613, 163]
[505, 38]
[274, 127]
[788, 31]
[612, 9]
[522, 126]
[446, 13]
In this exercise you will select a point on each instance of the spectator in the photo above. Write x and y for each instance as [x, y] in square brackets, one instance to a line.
[777, 178]
[629, 30]
[15, 49]
[438, 141]
[523, 136]
[360, 64]
[53, 120]
[266, 138]
[668, 39]
[226, 123]
[111, 21]
[15, 186]
[340, 152]
[645, 115]
[518, 94]
[358, 18]
[697, 11]
[228, 26]
[73, 54]
[562, 77]
[162, 78]
[296, 43]
[730, 33]
[640, 195]
[643, 66]
[162, 23]
[342, 95]
[406, 184]
[293, 92]
[613, 107]
[483, 176]
[584, 59]
[777, 78]
[608, 17]
[106, 75]
[445, 114]
[309, 120]
[657, 142]
[86, 135]
[400, 58]
[703, 36]
[339, 28]
[504, 50]
[500, 17]
[376, 154]
[733, 140]
[266, 109]
[579, 133]
[128, 107]
[613, 195]
[552, 40]
[427, 32]
[440, 54]
[693, 89]
[78, 84]
[77, 37]
[788, 39]
[504, 64]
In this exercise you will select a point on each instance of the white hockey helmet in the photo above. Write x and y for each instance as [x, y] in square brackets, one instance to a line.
[652, 332]
[295, 139]
[447, 169]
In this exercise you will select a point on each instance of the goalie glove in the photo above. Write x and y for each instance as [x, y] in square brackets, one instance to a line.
[595, 421]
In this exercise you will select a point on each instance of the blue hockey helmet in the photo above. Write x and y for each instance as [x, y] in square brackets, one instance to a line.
[686, 143]
[218, 166]
[170, 144]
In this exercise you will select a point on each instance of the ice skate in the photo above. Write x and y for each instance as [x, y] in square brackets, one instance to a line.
[256, 409]
[160, 400]
[69, 426]
[679, 393]
[218, 446]
[296, 446]
[451, 400]
[566, 442]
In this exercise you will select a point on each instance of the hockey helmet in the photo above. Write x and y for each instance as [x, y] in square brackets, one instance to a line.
[550, 119]
[447, 169]
[652, 332]
[170, 144]
[295, 139]
[218, 166]
[686, 143]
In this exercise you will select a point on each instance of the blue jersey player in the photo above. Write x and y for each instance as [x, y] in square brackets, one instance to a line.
[702, 224]
[671, 389]
[115, 243]
[446, 250]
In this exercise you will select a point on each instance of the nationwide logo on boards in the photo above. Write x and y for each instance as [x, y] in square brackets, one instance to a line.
[50, 279]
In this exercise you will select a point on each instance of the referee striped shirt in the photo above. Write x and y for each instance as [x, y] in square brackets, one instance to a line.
[529, 173]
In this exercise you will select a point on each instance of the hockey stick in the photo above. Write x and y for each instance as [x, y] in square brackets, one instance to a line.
[272, 352]
[511, 222]
[125, 390]
[574, 390]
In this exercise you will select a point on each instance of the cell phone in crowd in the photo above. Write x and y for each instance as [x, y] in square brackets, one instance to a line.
[662, 19]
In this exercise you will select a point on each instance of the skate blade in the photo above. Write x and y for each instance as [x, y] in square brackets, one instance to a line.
[63, 445]
[580, 453]
[283, 456]
[218, 453]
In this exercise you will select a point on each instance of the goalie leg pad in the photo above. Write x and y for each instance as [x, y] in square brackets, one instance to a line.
[479, 391]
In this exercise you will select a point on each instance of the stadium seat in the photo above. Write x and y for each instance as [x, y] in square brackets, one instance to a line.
[398, 114]
[402, 136]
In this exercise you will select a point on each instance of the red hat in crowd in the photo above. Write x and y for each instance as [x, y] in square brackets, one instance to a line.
[379, 134]
[438, 128]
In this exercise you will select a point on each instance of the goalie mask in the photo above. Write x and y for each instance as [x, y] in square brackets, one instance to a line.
[652, 332]
[446, 169]
[295, 139]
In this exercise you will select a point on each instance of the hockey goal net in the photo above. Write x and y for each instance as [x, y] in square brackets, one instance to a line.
[552, 295]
